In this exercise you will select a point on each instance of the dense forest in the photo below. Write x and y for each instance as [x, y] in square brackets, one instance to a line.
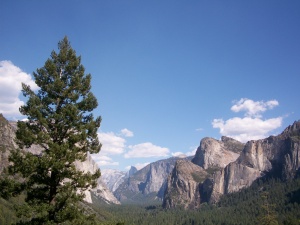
[267, 201]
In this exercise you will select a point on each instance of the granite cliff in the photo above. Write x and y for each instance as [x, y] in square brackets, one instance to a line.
[183, 185]
[216, 154]
[7, 136]
[276, 156]
[189, 183]
[227, 166]
[100, 191]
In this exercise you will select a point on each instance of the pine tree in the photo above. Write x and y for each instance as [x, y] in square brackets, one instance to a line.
[269, 216]
[60, 122]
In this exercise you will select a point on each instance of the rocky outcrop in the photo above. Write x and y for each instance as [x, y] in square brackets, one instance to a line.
[277, 156]
[131, 171]
[217, 154]
[149, 181]
[190, 183]
[183, 185]
[7, 135]
[101, 190]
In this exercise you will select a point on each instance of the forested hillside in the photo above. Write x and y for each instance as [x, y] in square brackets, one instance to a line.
[267, 201]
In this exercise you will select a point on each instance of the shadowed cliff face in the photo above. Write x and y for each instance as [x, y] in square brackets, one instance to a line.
[277, 156]
[217, 154]
[183, 185]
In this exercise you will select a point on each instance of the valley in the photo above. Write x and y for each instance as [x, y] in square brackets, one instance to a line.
[226, 182]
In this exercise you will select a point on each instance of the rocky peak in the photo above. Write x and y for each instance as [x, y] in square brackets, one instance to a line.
[183, 185]
[292, 130]
[213, 153]
[278, 156]
[132, 171]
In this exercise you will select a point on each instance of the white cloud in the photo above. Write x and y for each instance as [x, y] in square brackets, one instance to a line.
[111, 143]
[179, 154]
[98, 157]
[252, 126]
[127, 133]
[103, 160]
[107, 163]
[192, 152]
[252, 108]
[11, 78]
[146, 150]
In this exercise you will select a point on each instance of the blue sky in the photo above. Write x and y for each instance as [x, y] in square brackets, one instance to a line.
[165, 73]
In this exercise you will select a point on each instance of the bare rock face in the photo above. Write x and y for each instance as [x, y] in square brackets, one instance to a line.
[232, 178]
[113, 178]
[278, 156]
[7, 135]
[101, 190]
[183, 186]
[217, 154]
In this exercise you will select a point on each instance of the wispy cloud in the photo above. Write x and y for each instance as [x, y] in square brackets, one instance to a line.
[11, 78]
[252, 126]
[103, 160]
[145, 150]
[127, 133]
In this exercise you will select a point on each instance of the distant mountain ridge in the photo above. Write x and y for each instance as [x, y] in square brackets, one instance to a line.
[113, 178]
[149, 183]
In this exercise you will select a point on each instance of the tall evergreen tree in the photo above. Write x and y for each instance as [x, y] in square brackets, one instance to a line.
[61, 123]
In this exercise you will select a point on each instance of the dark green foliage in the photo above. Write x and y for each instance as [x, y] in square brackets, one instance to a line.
[199, 177]
[7, 212]
[246, 207]
[60, 122]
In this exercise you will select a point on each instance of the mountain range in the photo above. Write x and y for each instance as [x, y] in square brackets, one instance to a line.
[219, 167]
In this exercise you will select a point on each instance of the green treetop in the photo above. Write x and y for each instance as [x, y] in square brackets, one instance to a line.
[61, 123]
